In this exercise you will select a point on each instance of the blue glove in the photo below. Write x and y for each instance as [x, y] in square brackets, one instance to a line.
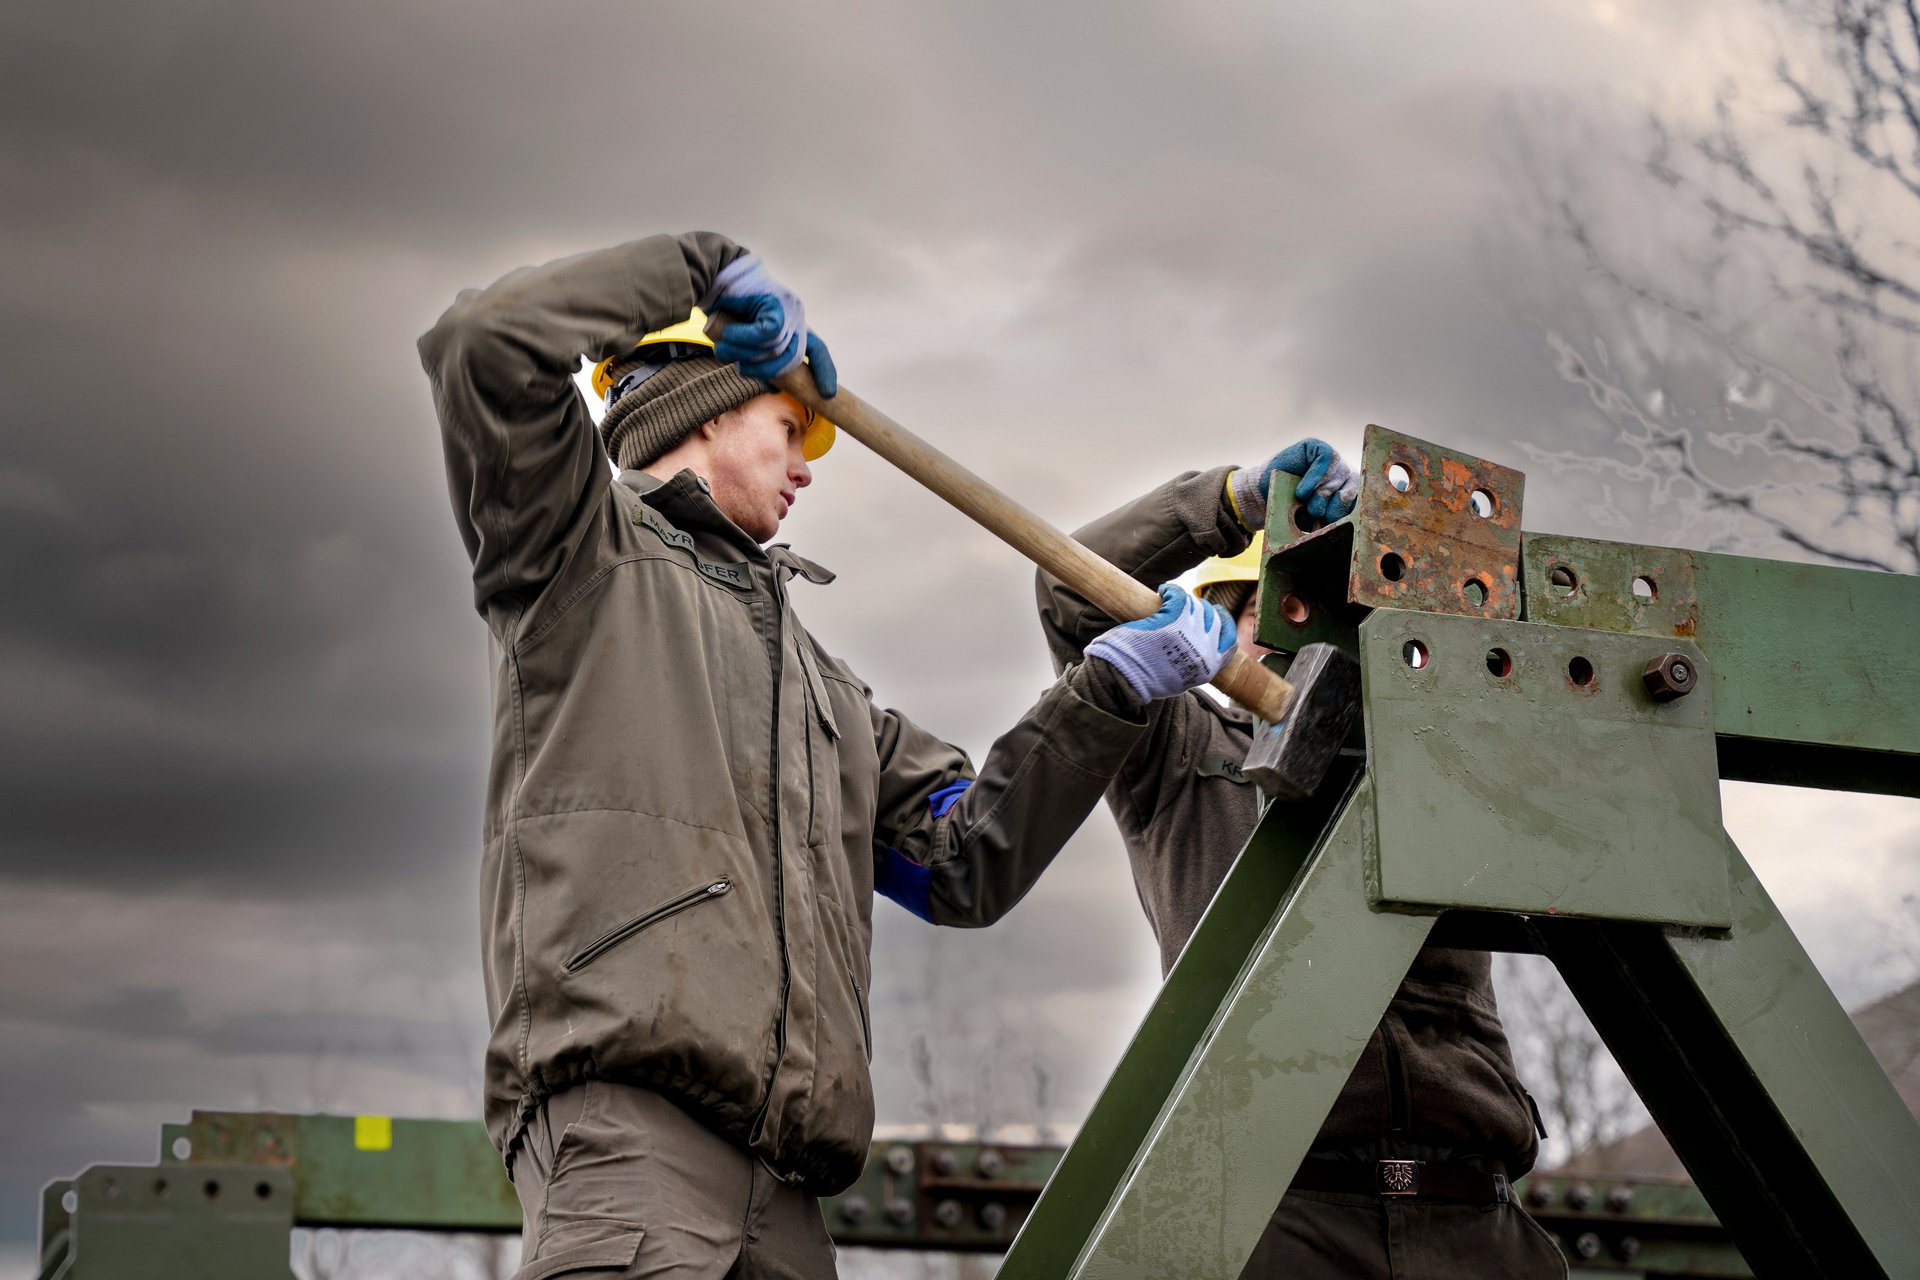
[1327, 483]
[1183, 645]
[768, 333]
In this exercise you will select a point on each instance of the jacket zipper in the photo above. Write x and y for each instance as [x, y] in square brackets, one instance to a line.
[614, 937]
[860, 1007]
[776, 654]
[1399, 1116]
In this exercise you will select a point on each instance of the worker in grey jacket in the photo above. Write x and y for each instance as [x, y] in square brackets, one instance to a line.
[691, 803]
[1436, 1081]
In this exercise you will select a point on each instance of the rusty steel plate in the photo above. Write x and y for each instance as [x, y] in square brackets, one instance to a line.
[1434, 530]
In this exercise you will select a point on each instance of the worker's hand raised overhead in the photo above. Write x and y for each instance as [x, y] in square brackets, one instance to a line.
[1183, 645]
[1327, 485]
[768, 332]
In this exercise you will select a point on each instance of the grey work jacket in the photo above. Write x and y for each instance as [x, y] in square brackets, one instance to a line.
[1436, 1081]
[689, 798]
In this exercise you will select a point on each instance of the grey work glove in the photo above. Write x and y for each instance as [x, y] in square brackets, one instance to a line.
[1185, 643]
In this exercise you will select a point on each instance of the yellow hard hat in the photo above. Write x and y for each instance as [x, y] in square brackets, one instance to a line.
[684, 339]
[1244, 567]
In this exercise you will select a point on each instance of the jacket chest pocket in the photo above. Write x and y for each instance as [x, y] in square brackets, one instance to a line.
[822, 748]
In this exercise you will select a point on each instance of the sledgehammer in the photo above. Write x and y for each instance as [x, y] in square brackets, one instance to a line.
[1311, 713]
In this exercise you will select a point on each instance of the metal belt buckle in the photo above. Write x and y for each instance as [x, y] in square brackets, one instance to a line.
[1398, 1177]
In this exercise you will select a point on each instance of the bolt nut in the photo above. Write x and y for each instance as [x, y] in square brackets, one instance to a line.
[993, 1216]
[945, 1162]
[947, 1213]
[900, 1210]
[1669, 676]
[900, 1159]
[1627, 1248]
[1539, 1195]
[1620, 1199]
[1579, 1196]
[855, 1209]
[990, 1164]
[1587, 1245]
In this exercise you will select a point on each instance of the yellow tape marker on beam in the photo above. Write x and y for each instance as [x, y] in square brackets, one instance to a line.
[372, 1133]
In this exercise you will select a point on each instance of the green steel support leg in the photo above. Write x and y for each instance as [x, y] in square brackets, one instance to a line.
[1762, 1084]
[1189, 1002]
[1236, 1127]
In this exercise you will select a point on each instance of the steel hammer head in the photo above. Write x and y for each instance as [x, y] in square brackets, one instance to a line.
[1289, 759]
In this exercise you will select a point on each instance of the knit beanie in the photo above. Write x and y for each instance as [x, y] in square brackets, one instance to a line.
[667, 407]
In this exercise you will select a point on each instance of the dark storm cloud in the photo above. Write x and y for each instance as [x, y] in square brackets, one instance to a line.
[242, 689]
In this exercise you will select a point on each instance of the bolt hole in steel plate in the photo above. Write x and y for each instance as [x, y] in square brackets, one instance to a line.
[1399, 477]
[1295, 609]
[1643, 588]
[1475, 590]
[1522, 792]
[1392, 567]
[1580, 672]
[1500, 663]
[1414, 654]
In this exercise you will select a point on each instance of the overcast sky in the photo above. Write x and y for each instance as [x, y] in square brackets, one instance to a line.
[1082, 246]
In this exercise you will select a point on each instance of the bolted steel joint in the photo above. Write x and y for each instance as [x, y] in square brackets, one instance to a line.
[855, 1209]
[947, 1213]
[1669, 676]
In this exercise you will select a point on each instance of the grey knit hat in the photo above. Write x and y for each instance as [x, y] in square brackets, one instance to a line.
[666, 408]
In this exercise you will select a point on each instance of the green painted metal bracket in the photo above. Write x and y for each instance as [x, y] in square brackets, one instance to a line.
[1815, 668]
[1482, 738]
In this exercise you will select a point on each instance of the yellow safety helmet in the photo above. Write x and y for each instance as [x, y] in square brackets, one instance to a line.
[1244, 567]
[688, 338]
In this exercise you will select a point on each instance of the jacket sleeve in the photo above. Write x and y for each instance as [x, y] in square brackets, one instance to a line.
[524, 463]
[957, 848]
[1154, 539]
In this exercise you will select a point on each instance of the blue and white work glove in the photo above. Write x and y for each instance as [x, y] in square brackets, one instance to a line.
[768, 334]
[1327, 483]
[1183, 645]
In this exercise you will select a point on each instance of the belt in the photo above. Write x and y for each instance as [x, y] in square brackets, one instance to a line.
[1404, 1180]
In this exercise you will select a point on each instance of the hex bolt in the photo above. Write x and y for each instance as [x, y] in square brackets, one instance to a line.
[1579, 1196]
[1627, 1248]
[900, 1210]
[1539, 1195]
[900, 1159]
[990, 1164]
[945, 1162]
[947, 1213]
[1669, 676]
[993, 1216]
[855, 1209]
[1620, 1199]
[1587, 1245]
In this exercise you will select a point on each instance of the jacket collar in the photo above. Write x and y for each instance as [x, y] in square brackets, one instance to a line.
[686, 500]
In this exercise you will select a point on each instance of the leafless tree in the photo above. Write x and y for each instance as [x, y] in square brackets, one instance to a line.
[1753, 285]
[1745, 315]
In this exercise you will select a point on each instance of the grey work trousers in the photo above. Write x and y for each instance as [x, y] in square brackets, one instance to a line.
[1327, 1235]
[616, 1181]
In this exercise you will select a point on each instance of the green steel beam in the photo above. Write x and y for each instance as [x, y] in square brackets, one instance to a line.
[1242, 912]
[1234, 1129]
[1761, 1083]
[132, 1222]
[1816, 678]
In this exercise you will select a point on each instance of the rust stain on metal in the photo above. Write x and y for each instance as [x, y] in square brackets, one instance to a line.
[1441, 530]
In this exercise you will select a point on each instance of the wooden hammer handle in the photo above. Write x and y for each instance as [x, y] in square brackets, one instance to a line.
[1112, 592]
